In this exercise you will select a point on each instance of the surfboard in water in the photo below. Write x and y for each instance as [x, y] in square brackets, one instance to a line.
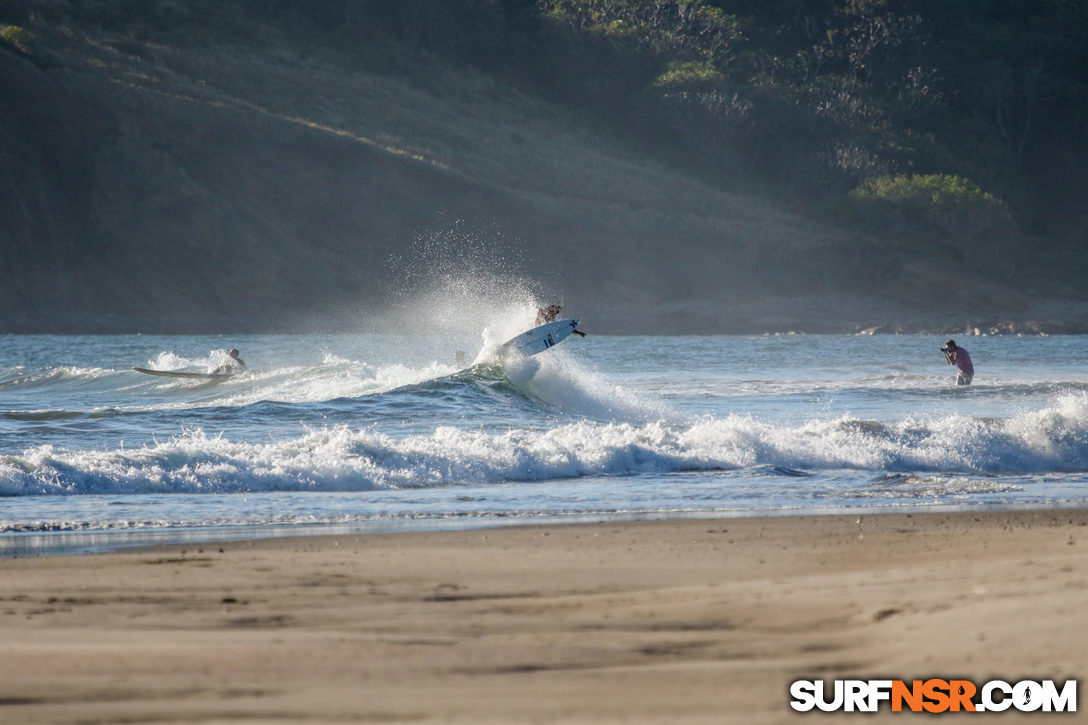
[176, 374]
[539, 339]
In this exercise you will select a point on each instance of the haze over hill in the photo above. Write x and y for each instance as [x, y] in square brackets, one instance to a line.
[180, 166]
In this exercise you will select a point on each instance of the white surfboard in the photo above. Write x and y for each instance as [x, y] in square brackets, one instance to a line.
[178, 374]
[539, 339]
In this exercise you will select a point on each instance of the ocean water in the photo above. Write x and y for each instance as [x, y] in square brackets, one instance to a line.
[378, 432]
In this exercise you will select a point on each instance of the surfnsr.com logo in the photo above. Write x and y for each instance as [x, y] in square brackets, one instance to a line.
[933, 695]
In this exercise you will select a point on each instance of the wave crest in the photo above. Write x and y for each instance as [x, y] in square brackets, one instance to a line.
[341, 459]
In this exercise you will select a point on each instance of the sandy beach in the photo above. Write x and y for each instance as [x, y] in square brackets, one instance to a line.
[684, 621]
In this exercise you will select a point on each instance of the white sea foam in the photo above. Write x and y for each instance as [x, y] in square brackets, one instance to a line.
[339, 458]
[16, 379]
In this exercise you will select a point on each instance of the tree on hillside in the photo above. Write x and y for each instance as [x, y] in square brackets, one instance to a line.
[815, 97]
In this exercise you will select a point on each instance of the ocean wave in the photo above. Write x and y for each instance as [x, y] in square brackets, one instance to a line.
[80, 389]
[341, 458]
[22, 379]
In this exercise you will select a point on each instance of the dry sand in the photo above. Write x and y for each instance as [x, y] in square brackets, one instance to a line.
[671, 622]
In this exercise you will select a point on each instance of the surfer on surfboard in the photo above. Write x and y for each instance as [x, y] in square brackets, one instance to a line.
[544, 315]
[234, 365]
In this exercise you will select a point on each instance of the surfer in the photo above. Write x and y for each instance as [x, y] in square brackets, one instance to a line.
[234, 365]
[544, 315]
[955, 355]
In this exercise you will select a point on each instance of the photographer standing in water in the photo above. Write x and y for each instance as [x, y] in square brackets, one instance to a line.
[955, 355]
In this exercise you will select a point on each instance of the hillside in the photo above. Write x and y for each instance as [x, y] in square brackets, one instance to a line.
[187, 166]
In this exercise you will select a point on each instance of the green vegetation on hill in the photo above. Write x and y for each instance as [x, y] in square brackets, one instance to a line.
[723, 162]
[813, 97]
[808, 101]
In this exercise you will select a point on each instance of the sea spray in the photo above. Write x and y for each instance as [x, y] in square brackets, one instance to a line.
[464, 282]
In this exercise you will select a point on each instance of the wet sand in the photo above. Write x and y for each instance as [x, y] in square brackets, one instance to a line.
[687, 621]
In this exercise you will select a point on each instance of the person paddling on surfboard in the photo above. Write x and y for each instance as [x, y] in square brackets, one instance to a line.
[955, 355]
[544, 315]
[234, 365]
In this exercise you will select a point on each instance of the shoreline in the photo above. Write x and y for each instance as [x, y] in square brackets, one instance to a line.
[680, 620]
[38, 544]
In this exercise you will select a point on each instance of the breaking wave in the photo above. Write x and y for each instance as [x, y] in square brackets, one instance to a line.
[343, 458]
